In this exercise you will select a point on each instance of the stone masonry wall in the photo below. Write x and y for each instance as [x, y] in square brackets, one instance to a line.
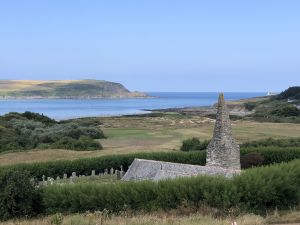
[223, 151]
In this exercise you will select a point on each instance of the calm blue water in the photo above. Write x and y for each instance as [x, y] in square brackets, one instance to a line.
[73, 108]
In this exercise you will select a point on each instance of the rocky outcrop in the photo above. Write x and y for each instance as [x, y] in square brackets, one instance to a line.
[223, 151]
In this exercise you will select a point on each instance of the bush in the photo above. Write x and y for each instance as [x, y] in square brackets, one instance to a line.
[250, 105]
[286, 111]
[255, 190]
[38, 117]
[193, 144]
[18, 196]
[83, 144]
[32, 130]
[251, 160]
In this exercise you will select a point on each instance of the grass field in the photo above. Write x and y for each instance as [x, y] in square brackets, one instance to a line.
[149, 134]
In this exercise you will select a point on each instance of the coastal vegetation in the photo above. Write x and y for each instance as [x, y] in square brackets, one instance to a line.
[23, 131]
[283, 107]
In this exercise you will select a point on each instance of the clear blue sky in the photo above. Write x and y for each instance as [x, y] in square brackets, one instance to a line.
[154, 45]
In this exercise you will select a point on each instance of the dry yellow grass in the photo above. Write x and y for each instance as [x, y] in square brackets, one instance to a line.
[195, 219]
[163, 218]
[15, 85]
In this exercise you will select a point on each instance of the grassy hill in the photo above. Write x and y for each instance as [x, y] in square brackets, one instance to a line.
[284, 107]
[64, 89]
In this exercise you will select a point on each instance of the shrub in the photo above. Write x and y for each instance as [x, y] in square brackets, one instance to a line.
[193, 144]
[251, 160]
[250, 105]
[18, 196]
[276, 186]
[286, 111]
[38, 117]
[83, 144]
[32, 130]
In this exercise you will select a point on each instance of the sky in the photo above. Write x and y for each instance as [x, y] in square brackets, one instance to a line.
[154, 45]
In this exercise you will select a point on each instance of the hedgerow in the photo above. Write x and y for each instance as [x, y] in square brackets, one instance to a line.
[255, 190]
[249, 156]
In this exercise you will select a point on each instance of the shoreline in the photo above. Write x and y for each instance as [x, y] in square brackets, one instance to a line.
[236, 107]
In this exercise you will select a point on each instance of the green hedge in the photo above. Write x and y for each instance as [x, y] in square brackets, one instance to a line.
[256, 190]
[85, 166]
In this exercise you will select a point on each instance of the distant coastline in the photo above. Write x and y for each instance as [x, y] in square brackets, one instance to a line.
[60, 109]
[71, 97]
[65, 89]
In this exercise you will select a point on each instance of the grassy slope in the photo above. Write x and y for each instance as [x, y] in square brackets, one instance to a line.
[163, 133]
[63, 88]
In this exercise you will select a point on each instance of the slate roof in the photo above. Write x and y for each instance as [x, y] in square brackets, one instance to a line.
[142, 169]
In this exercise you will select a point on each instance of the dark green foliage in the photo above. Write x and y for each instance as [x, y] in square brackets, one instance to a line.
[18, 196]
[22, 131]
[290, 93]
[85, 166]
[255, 190]
[84, 122]
[286, 111]
[232, 117]
[250, 105]
[279, 108]
[277, 186]
[38, 117]
[290, 142]
[193, 144]
[252, 159]
[82, 144]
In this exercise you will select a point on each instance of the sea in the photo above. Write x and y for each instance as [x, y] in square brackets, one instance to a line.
[61, 109]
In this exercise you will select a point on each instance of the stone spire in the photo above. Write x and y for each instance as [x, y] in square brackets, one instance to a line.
[223, 151]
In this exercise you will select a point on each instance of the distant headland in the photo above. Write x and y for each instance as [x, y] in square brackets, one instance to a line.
[64, 89]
